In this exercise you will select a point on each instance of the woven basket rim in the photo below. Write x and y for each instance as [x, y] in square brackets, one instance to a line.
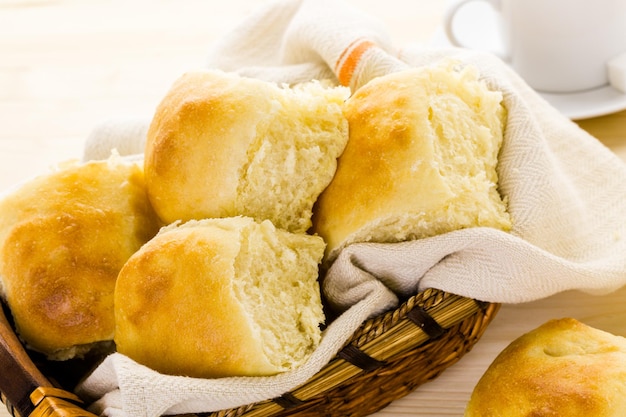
[421, 319]
[426, 318]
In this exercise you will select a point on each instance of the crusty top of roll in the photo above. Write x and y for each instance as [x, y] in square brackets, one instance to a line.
[421, 159]
[563, 368]
[222, 145]
[221, 297]
[64, 236]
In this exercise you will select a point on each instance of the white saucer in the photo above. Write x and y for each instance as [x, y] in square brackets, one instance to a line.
[587, 104]
[576, 106]
[475, 21]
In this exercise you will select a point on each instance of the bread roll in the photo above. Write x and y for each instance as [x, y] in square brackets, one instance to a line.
[421, 159]
[64, 236]
[563, 368]
[221, 297]
[222, 145]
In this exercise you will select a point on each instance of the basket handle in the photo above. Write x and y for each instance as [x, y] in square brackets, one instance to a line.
[26, 391]
[19, 377]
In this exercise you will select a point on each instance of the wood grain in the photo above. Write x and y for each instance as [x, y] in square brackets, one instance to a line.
[19, 377]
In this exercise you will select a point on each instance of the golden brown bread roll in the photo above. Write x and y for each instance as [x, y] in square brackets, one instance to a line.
[421, 159]
[64, 236]
[221, 297]
[563, 368]
[222, 145]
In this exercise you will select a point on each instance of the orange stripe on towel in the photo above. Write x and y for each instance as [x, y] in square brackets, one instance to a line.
[349, 59]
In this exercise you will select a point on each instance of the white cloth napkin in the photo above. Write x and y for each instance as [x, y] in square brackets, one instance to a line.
[566, 193]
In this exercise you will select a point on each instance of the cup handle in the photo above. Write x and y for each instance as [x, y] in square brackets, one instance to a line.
[450, 13]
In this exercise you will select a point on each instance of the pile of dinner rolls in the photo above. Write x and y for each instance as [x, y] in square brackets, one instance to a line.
[203, 259]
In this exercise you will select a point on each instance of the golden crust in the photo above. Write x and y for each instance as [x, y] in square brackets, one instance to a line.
[179, 275]
[563, 368]
[198, 141]
[420, 159]
[221, 145]
[375, 170]
[193, 292]
[63, 240]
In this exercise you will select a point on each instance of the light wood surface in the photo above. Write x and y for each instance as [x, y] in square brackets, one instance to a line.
[67, 65]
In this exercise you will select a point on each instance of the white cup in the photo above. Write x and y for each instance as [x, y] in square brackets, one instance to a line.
[557, 46]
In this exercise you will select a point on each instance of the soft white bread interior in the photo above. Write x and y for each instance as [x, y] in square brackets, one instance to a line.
[421, 159]
[222, 145]
[563, 368]
[221, 297]
[64, 236]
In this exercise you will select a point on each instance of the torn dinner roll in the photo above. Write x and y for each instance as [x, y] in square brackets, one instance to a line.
[223, 145]
[221, 297]
[421, 159]
[64, 236]
[563, 368]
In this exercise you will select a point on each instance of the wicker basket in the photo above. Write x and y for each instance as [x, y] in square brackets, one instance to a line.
[387, 358]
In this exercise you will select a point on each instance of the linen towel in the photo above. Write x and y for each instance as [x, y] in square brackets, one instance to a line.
[566, 194]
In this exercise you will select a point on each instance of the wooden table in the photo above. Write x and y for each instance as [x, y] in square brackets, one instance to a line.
[67, 65]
